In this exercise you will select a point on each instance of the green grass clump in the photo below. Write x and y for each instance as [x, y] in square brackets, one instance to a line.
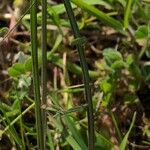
[45, 104]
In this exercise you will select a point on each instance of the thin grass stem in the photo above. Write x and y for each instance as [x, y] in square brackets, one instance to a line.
[44, 65]
[88, 95]
[38, 112]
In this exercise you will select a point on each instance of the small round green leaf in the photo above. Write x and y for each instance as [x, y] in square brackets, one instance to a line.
[142, 32]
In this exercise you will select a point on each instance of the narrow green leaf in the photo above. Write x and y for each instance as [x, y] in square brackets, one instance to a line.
[59, 9]
[125, 139]
[127, 13]
[11, 130]
[55, 46]
[73, 143]
[74, 132]
[99, 14]
[102, 143]
[50, 140]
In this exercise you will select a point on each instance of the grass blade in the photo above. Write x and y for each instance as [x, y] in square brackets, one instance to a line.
[10, 129]
[50, 140]
[73, 143]
[125, 139]
[99, 14]
[127, 13]
[74, 132]
[88, 96]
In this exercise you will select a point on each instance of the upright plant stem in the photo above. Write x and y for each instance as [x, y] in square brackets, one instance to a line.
[36, 84]
[44, 65]
[80, 47]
